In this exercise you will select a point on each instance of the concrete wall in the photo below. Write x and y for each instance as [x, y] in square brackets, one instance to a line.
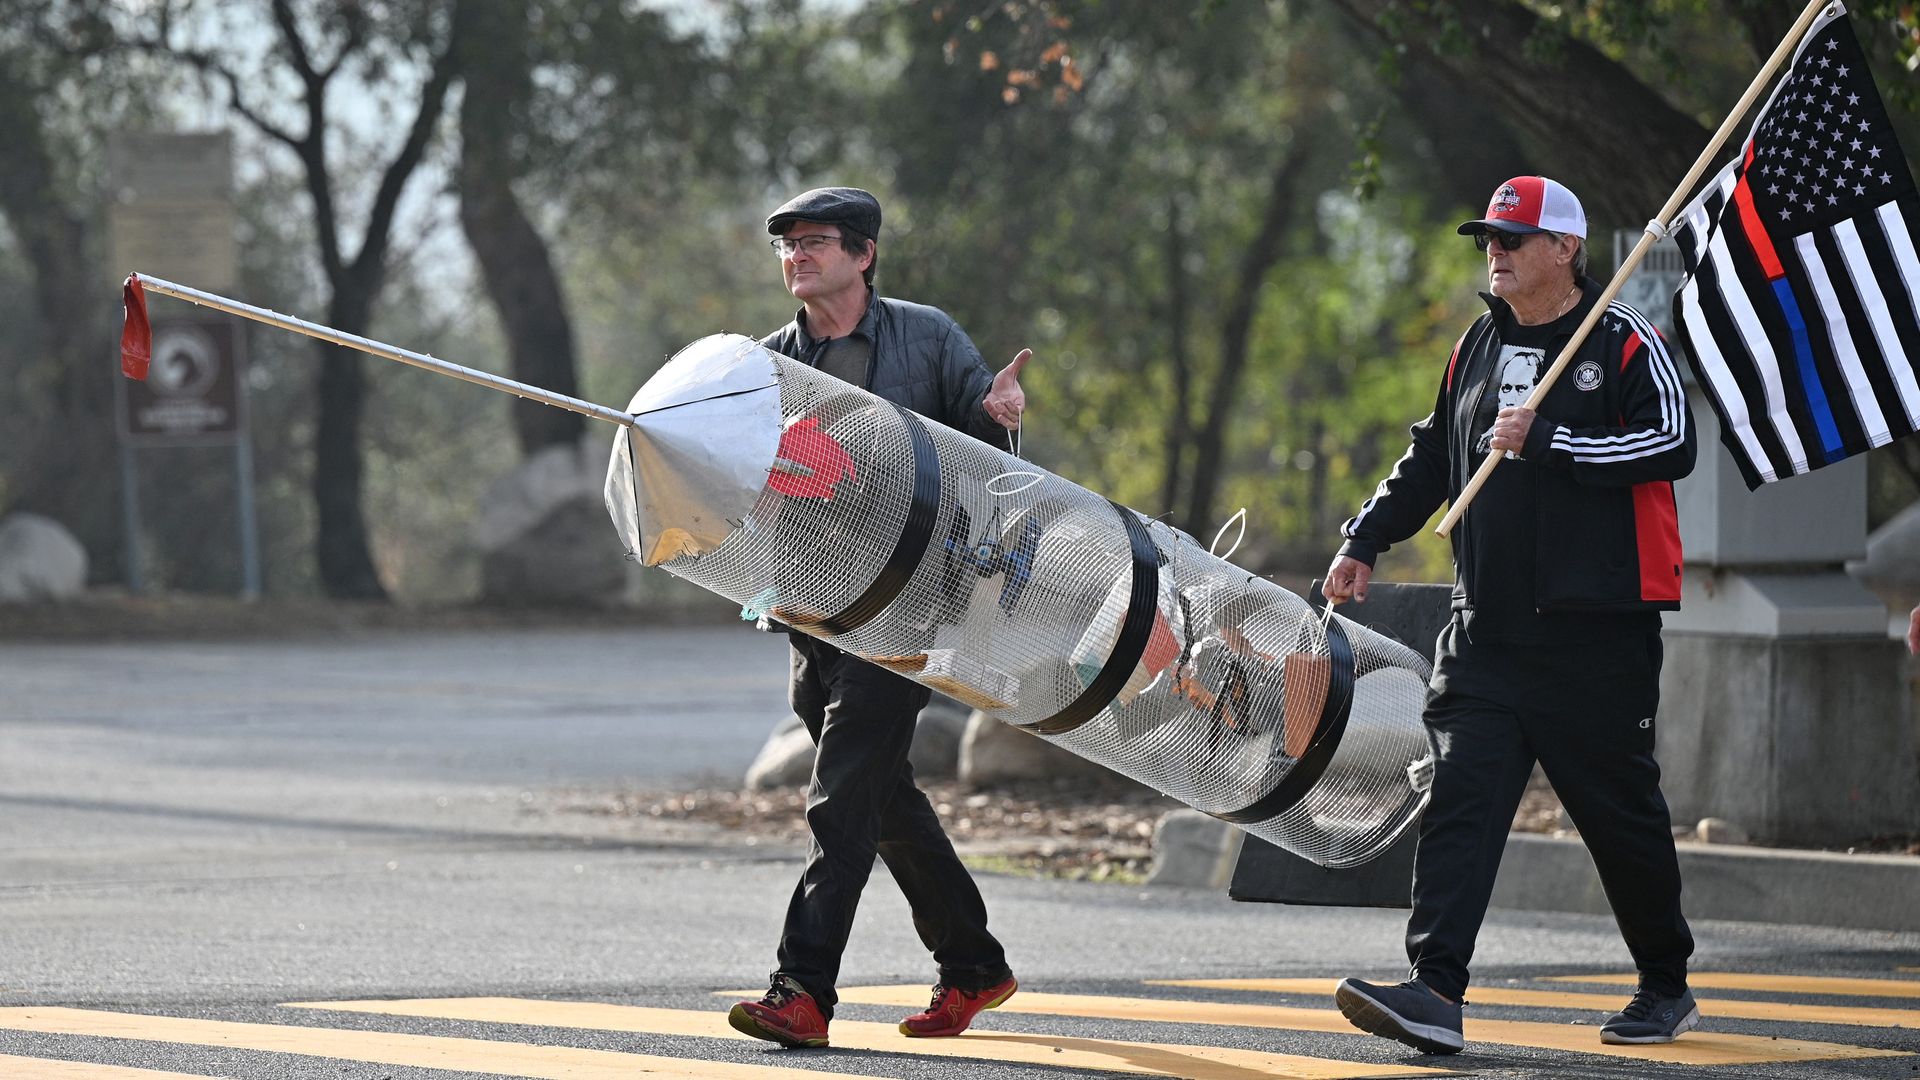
[1802, 742]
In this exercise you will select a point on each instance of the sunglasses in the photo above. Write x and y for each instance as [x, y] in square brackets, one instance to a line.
[1509, 241]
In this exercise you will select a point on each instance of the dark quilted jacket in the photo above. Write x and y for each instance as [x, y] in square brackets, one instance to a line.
[920, 358]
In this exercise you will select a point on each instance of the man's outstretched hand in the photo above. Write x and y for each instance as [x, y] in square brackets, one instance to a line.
[1006, 401]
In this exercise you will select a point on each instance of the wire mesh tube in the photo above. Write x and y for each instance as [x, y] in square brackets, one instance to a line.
[1024, 595]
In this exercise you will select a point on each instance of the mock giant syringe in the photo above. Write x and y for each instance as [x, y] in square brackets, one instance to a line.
[932, 554]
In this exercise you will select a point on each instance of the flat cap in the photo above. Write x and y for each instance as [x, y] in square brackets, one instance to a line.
[850, 208]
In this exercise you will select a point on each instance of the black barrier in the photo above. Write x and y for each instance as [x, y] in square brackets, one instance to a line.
[1414, 615]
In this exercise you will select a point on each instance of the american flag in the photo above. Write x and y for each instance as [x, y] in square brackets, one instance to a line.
[1801, 305]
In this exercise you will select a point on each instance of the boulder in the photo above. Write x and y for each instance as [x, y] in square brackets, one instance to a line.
[786, 758]
[993, 753]
[543, 534]
[936, 740]
[39, 560]
[1891, 568]
[1192, 849]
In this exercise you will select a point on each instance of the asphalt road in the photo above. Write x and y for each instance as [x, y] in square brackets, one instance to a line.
[200, 840]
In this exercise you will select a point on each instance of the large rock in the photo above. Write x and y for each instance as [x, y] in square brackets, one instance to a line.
[543, 533]
[39, 560]
[786, 758]
[993, 753]
[937, 738]
[1892, 566]
[1192, 849]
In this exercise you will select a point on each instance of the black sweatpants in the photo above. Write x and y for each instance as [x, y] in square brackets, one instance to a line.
[1585, 712]
[862, 801]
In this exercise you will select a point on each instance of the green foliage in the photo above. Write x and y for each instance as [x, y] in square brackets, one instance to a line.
[1121, 253]
[1083, 177]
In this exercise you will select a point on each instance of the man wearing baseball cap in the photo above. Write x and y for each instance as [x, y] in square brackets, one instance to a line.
[1562, 564]
[862, 800]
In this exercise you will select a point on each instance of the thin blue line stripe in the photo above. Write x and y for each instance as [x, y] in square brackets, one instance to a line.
[1809, 375]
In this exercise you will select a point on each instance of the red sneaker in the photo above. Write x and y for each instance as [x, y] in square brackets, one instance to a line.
[952, 1010]
[788, 1015]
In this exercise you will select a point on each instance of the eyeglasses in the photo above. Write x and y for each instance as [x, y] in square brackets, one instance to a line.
[785, 246]
[1509, 241]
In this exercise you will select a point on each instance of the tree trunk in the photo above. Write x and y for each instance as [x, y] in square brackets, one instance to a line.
[68, 470]
[345, 559]
[342, 554]
[1180, 416]
[1588, 116]
[1317, 495]
[513, 257]
[1236, 333]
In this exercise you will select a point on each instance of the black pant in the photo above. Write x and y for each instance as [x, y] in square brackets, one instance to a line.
[1585, 712]
[862, 801]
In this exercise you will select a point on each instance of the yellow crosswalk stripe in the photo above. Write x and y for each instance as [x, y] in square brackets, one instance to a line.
[387, 1048]
[1067, 1052]
[1696, 1048]
[1785, 984]
[1711, 1008]
[26, 1068]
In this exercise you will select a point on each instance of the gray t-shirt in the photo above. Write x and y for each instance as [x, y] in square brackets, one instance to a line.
[846, 359]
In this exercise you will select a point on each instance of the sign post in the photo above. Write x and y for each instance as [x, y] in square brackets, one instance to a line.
[174, 214]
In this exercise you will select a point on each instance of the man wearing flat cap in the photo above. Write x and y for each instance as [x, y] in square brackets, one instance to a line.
[862, 800]
[1562, 565]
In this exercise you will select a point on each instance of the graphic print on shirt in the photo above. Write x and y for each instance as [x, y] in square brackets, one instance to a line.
[1520, 367]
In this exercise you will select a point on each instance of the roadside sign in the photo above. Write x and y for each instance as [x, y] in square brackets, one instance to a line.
[1650, 290]
[192, 393]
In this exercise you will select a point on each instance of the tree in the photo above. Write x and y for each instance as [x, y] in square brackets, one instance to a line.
[572, 100]
[1204, 148]
[65, 80]
[513, 256]
[410, 51]
[1626, 91]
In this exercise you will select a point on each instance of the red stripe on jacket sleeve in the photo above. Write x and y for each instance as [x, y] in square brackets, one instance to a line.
[1656, 525]
[1451, 360]
[1633, 345]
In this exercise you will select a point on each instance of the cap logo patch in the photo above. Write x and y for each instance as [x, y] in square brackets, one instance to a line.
[1587, 375]
[1505, 201]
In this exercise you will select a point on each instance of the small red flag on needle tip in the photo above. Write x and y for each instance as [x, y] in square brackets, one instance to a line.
[136, 334]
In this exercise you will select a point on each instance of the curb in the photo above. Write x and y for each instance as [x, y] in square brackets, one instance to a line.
[1743, 884]
[1546, 873]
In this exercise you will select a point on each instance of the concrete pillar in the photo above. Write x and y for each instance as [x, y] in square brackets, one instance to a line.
[1784, 703]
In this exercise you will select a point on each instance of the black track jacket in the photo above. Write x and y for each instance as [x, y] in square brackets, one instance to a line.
[1610, 438]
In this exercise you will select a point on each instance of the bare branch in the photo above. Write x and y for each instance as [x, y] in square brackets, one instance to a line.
[296, 45]
[207, 64]
[433, 99]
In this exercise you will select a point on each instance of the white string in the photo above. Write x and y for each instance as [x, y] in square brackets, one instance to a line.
[1658, 228]
[1014, 438]
[1214, 547]
[993, 488]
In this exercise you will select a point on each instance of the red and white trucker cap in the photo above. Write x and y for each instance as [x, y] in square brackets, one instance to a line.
[1530, 204]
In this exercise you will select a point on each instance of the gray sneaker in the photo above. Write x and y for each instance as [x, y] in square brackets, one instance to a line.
[1652, 1018]
[1408, 1012]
